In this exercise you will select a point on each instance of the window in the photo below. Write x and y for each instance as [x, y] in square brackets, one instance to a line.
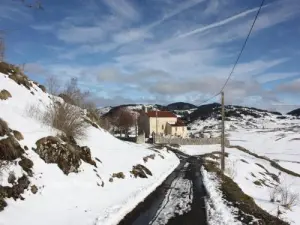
[162, 127]
[176, 129]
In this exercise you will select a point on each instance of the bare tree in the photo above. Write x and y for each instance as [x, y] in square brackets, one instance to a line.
[75, 94]
[123, 120]
[52, 85]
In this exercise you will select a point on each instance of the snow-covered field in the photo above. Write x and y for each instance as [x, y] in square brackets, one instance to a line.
[77, 198]
[276, 139]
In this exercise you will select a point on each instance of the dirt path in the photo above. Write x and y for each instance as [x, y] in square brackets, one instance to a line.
[178, 201]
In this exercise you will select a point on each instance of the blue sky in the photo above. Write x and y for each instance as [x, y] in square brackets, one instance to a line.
[161, 51]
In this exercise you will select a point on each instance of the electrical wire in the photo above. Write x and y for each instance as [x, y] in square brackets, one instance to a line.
[239, 55]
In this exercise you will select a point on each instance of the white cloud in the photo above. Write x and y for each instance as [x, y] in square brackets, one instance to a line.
[123, 8]
[81, 34]
[269, 77]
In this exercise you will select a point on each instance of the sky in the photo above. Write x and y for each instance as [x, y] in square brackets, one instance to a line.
[160, 51]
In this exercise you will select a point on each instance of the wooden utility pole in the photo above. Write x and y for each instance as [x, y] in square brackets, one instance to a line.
[223, 134]
[156, 123]
[136, 125]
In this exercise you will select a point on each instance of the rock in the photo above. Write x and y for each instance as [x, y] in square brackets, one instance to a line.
[119, 175]
[34, 189]
[4, 130]
[140, 171]
[111, 179]
[149, 157]
[98, 160]
[51, 150]
[4, 95]
[18, 135]
[11, 178]
[42, 87]
[26, 165]
[10, 149]
[25, 147]
[85, 155]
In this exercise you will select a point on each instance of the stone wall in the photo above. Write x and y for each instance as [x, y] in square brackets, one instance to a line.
[189, 141]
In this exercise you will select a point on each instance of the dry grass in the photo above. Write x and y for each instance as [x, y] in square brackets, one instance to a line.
[66, 118]
[34, 111]
[4, 129]
[284, 195]
[4, 95]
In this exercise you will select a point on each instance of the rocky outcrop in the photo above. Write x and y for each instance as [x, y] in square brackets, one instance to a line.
[4, 130]
[67, 156]
[52, 150]
[10, 149]
[26, 165]
[85, 155]
[140, 171]
[14, 192]
[152, 156]
[18, 135]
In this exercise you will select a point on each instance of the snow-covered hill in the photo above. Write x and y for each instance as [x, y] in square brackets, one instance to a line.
[295, 112]
[207, 118]
[87, 197]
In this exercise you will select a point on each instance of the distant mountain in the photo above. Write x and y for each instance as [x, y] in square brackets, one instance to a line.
[295, 112]
[180, 106]
[231, 111]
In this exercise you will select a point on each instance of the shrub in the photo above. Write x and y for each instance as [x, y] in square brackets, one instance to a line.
[5, 68]
[284, 195]
[288, 198]
[66, 118]
[53, 85]
[21, 79]
[4, 95]
[34, 111]
[3, 128]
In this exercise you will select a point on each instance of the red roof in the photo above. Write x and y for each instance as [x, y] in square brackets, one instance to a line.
[179, 123]
[161, 114]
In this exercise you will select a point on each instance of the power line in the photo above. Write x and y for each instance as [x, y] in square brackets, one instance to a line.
[240, 54]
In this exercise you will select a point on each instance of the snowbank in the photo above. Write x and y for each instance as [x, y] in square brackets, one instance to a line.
[218, 213]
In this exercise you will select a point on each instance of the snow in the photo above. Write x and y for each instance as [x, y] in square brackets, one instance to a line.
[76, 198]
[195, 150]
[277, 139]
[218, 213]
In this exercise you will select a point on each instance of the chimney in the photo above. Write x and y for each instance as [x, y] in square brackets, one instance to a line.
[145, 109]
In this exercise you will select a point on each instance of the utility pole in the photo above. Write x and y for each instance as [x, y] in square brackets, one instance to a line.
[136, 125]
[156, 123]
[223, 134]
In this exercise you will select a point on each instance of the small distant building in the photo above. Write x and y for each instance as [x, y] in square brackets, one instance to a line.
[161, 122]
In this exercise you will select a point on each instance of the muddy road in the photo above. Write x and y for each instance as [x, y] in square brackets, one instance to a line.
[178, 201]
